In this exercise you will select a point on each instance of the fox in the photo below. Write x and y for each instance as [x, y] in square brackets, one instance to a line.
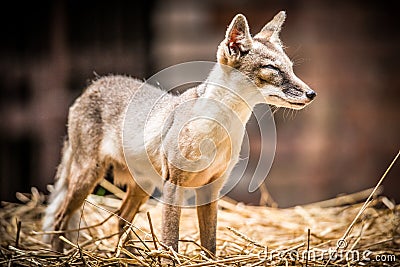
[98, 123]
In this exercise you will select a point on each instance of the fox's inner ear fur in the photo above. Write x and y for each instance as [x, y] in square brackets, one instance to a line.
[272, 29]
[237, 41]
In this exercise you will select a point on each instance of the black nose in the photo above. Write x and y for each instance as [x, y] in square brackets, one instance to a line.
[311, 94]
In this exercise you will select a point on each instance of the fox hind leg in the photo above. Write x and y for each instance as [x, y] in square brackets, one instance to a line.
[81, 182]
[134, 198]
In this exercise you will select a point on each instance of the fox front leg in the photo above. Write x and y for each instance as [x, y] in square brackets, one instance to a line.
[207, 215]
[207, 208]
[171, 215]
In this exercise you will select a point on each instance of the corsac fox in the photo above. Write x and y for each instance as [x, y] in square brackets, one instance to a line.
[97, 122]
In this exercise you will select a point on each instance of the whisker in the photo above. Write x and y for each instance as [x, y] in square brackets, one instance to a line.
[300, 61]
[286, 112]
[296, 58]
[275, 109]
[294, 113]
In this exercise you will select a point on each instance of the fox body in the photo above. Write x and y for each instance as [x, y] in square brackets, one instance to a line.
[97, 121]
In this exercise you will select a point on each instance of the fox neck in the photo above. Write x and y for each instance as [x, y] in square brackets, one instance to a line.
[231, 89]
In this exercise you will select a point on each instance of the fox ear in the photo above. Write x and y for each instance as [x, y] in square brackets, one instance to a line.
[237, 38]
[272, 29]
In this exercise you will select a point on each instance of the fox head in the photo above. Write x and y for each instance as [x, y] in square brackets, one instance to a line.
[263, 59]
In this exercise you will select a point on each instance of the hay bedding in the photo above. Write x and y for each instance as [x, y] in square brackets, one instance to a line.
[247, 235]
[337, 232]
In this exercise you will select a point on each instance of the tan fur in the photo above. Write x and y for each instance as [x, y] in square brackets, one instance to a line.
[96, 125]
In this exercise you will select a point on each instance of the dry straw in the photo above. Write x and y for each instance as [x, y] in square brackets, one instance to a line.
[339, 232]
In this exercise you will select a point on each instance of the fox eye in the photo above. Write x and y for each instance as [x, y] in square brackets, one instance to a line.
[271, 67]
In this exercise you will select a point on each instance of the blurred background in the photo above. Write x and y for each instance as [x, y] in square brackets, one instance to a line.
[346, 50]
